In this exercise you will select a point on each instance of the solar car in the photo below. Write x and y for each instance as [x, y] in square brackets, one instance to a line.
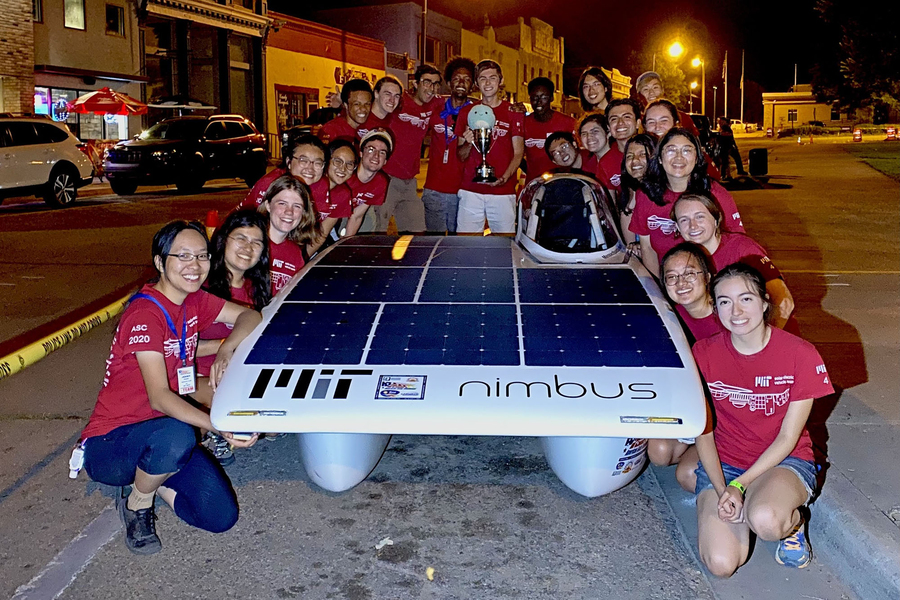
[557, 333]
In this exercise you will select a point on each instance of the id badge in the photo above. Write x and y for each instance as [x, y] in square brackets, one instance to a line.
[446, 155]
[187, 383]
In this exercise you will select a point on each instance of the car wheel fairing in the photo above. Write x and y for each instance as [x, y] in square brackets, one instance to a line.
[593, 466]
[61, 189]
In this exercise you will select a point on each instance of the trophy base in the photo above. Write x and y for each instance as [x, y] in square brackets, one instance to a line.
[484, 176]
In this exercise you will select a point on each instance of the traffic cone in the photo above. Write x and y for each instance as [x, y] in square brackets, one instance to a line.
[212, 221]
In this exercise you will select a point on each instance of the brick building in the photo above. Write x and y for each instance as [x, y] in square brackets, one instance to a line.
[16, 56]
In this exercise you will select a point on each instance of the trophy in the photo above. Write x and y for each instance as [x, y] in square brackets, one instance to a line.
[481, 121]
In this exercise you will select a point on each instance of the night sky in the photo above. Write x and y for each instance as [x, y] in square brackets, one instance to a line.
[775, 35]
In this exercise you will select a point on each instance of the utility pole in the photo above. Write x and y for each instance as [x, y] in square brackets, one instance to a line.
[725, 79]
[424, 30]
[742, 86]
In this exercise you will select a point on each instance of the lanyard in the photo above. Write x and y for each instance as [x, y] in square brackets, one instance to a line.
[182, 342]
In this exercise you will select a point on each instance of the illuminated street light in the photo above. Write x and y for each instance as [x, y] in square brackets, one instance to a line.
[693, 85]
[676, 50]
[698, 62]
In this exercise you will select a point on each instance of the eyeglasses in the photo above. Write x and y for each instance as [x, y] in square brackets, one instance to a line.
[370, 150]
[596, 85]
[687, 276]
[685, 151]
[563, 148]
[188, 257]
[337, 163]
[429, 84]
[305, 162]
[245, 241]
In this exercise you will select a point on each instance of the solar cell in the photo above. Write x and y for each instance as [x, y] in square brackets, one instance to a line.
[472, 257]
[598, 286]
[357, 284]
[445, 334]
[468, 285]
[375, 256]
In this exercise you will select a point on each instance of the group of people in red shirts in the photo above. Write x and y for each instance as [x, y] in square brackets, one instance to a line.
[753, 470]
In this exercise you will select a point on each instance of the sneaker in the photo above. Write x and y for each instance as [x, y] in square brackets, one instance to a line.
[273, 436]
[140, 527]
[794, 550]
[219, 447]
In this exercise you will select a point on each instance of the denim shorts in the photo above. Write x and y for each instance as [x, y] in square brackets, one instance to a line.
[804, 469]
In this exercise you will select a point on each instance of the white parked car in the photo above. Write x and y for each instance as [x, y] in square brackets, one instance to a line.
[738, 125]
[41, 157]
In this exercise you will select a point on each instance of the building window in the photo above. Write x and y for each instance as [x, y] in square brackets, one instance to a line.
[792, 114]
[74, 14]
[524, 72]
[37, 11]
[451, 51]
[532, 73]
[835, 113]
[115, 20]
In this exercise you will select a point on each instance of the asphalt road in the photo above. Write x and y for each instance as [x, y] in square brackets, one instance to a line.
[485, 513]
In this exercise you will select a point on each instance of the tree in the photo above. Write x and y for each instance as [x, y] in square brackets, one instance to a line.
[673, 78]
[860, 56]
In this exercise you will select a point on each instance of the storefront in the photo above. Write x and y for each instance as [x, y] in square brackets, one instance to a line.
[306, 61]
[53, 101]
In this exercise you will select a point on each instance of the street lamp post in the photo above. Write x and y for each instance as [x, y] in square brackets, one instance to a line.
[714, 105]
[691, 96]
[697, 62]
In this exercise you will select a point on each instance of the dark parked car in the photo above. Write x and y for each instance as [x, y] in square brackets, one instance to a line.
[188, 151]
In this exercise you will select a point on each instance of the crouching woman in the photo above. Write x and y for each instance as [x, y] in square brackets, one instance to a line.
[142, 432]
[756, 468]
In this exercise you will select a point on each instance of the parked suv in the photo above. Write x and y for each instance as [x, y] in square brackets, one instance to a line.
[41, 157]
[188, 151]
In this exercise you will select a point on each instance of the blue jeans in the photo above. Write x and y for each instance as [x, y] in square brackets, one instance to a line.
[204, 496]
[803, 469]
[440, 211]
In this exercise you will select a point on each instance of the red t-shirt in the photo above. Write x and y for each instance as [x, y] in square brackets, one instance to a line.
[509, 125]
[373, 121]
[372, 192]
[650, 219]
[339, 128]
[218, 331]
[738, 247]
[409, 124]
[700, 328]
[688, 123]
[535, 134]
[611, 164]
[334, 203]
[444, 169]
[123, 399]
[595, 168]
[751, 394]
[255, 196]
[285, 259]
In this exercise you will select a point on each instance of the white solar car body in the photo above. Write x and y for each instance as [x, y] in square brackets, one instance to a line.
[473, 336]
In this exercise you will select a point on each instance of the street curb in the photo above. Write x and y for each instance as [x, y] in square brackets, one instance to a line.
[26, 349]
[859, 540]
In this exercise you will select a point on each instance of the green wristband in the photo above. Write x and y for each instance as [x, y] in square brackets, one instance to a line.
[739, 486]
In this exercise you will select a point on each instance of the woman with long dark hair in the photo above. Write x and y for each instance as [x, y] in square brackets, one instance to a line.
[678, 167]
[239, 272]
[639, 150]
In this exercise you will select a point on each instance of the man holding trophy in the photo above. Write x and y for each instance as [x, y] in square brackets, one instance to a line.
[496, 134]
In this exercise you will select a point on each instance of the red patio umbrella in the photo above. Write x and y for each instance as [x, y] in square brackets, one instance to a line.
[108, 102]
